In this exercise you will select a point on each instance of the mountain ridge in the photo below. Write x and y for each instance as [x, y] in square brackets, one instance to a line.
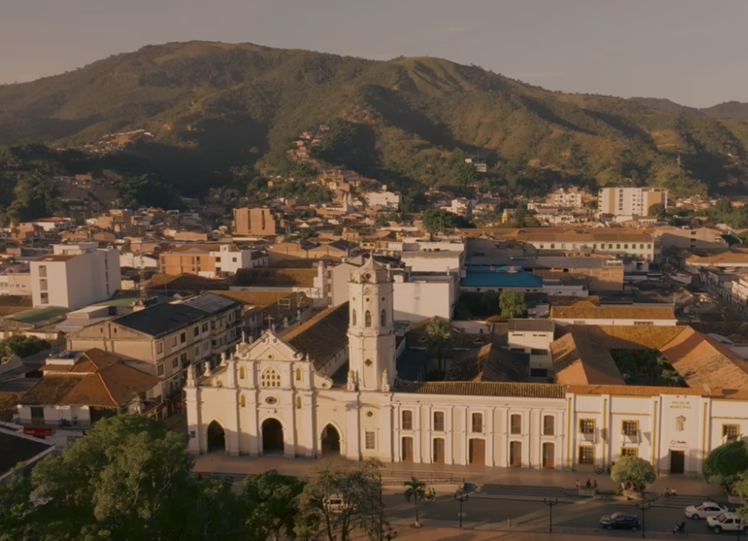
[215, 106]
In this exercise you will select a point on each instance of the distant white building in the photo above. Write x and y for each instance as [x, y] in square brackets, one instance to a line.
[630, 201]
[75, 275]
[384, 199]
[138, 260]
[571, 197]
[230, 259]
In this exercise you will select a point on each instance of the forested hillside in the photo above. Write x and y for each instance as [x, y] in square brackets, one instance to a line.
[408, 122]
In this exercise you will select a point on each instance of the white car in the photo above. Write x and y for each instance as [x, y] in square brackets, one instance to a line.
[705, 510]
[725, 521]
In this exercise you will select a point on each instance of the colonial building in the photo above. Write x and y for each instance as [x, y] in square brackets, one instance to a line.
[271, 396]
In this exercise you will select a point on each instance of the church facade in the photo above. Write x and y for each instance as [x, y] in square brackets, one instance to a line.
[269, 397]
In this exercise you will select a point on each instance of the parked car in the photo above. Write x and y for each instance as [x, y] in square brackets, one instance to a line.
[705, 510]
[725, 521]
[335, 504]
[620, 521]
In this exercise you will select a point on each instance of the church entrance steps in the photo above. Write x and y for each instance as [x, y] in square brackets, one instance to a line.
[524, 491]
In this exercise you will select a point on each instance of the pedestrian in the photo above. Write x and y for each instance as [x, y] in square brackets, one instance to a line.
[589, 484]
[578, 484]
[594, 483]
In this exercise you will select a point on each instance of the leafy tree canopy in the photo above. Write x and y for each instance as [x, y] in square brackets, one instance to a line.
[512, 304]
[725, 463]
[633, 469]
[22, 345]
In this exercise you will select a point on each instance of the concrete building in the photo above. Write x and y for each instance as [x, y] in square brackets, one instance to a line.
[629, 201]
[586, 313]
[384, 199]
[75, 275]
[255, 222]
[15, 279]
[570, 197]
[210, 260]
[533, 337]
[702, 238]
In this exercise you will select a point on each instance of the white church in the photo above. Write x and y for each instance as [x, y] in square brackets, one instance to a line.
[277, 395]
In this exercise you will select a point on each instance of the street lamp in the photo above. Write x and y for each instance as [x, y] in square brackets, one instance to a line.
[461, 497]
[644, 507]
[550, 504]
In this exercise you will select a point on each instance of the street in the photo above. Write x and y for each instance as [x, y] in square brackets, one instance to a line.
[533, 516]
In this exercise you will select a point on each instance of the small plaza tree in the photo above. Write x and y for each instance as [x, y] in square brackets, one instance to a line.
[725, 464]
[512, 304]
[633, 470]
[415, 490]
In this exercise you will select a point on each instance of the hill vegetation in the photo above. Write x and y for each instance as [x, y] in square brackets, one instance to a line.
[214, 108]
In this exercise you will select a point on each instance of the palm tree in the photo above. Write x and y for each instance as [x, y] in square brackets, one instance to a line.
[438, 338]
[415, 490]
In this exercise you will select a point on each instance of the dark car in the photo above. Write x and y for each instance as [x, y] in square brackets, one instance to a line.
[619, 521]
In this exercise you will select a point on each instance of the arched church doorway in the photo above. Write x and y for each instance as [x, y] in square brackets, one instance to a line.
[330, 441]
[216, 437]
[272, 436]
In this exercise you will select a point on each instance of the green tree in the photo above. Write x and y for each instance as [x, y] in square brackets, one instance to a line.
[465, 174]
[415, 491]
[658, 210]
[143, 190]
[512, 304]
[438, 338]
[633, 469]
[726, 463]
[272, 499]
[740, 488]
[21, 345]
[435, 220]
[340, 499]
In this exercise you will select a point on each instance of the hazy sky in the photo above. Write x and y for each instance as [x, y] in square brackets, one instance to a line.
[691, 51]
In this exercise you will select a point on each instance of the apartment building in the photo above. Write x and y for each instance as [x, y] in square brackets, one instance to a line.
[699, 238]
[15, 279]
[533, 337]
[75, 275]
[384, 199]
[571, 197]
[210, 260]
[255, 222]
[630, 201]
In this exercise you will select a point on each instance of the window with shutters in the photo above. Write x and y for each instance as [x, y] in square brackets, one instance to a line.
[438, 421]
[629, 451]
[587, 426]
[630, 428]
[515, 424]
[371, 442]
[586, 455]
[477, 423]
[407, 420]
[731, 432]
[549, 425]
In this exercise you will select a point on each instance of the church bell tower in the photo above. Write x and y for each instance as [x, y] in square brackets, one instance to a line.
[371, 334]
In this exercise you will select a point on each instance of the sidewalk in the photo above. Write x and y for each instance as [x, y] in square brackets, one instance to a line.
[477, 475]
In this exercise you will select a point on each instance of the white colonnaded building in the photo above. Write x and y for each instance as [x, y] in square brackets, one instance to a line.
[277, 395]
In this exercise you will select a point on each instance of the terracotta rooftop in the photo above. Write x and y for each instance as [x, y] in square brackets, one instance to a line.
[97, 379]
[577, 311]
[702, 360]
[491, 363]
[272, 277]
[629, 336]
[482, 388]
[580, 360]
[322, 336]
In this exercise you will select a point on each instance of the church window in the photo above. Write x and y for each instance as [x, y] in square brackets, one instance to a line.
[371, 442]
[298, 374]
[367, 362]
[367, 319]
[241, 372]
[516, 424]
[438, 421]
[298, 402]
[407, 420]
[477, 423]
[383, 318]
[353, 317]
[243, 401]
[270, 378]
